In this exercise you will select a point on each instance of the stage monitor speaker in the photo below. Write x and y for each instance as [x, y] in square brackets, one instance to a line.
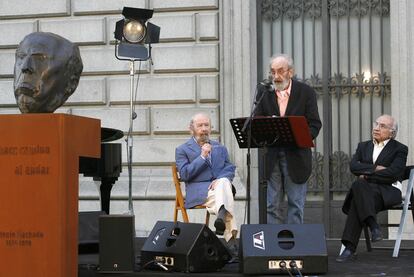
[116, 243]
[277, 248]
[185, 247]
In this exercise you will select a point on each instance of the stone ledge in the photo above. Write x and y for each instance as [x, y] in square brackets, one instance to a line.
[82, 7]
[207, 26]
[7, 95]
[172, 120]
[186, 58]
[144, 188]
[183, 5]
[13, 32]
[23, 8]
[91, 90]
[7, 63]
[176, 27]
[117, 117]
[154, 89]
[86, 31]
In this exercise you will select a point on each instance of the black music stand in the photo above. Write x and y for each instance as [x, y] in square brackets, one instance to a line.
[269, 131]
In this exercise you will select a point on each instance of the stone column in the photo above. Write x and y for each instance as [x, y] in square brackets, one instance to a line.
[402, 76]
[402, 70]
[238, 77]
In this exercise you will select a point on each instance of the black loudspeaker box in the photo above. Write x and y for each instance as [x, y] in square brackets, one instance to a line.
[279, 248]
[116, 243]
[185, 247]
[88, 233]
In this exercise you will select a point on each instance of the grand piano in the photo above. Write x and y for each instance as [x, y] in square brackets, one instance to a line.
[107, 168]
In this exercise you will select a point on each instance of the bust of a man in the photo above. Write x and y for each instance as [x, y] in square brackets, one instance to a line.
[46, 72]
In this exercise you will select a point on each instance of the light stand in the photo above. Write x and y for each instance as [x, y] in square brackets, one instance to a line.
[131, 34]
[129, 140]
[135, 53]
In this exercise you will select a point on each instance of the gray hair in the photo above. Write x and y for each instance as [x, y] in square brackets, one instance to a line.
[287, 57]
[196, 115]
[394, 125]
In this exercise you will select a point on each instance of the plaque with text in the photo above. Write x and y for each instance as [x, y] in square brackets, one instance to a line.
[39, 161]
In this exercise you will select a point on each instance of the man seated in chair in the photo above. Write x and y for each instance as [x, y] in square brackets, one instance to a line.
[205, 168]
[379, 165]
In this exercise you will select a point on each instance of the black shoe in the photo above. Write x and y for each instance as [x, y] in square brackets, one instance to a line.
[346, 256]
[220, 226]
[233, 250]
[233, 260]
[376, 235]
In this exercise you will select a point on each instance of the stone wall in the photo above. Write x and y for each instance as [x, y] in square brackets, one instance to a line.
[402, 74]
[186, 76]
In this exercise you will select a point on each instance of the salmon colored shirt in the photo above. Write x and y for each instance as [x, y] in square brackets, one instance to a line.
[283, 98]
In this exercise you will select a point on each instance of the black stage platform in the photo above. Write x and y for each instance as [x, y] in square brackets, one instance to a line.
[376, 263]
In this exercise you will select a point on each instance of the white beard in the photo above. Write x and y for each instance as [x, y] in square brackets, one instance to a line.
[281, 85]
[203, 139]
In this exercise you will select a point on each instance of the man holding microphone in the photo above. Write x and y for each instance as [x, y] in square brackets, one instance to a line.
[204, 166]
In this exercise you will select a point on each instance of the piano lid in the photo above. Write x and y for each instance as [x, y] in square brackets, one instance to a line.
[109, 134]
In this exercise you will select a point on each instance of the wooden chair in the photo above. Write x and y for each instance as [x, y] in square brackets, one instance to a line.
[404, 206]
[179, 199]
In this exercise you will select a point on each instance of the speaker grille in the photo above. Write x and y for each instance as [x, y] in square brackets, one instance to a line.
[266, 248]
[186, 247]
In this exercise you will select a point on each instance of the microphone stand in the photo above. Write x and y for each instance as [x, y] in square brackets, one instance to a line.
[247, 124]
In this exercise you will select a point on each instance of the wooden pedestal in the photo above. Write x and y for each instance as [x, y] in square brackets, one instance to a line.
[39, 164]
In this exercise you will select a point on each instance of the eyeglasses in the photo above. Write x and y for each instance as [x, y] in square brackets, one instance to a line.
[381, 126]
[279, 71]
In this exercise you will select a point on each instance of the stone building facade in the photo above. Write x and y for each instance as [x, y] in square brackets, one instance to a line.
[202, 63]
[206, 61]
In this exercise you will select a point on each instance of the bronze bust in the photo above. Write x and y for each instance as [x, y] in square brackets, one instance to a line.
[46, 72]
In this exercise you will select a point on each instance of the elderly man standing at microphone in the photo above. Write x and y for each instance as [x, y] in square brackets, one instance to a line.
[205, 168]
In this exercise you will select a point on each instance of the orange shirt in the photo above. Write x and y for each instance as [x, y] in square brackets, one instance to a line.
[283, 98]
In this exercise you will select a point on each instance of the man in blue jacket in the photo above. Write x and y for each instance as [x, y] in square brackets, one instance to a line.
[205, 168]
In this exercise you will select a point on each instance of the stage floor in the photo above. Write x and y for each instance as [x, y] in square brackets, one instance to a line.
[375, 263]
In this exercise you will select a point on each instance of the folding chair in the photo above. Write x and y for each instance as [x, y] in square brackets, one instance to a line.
[404, 206]
[179, 199]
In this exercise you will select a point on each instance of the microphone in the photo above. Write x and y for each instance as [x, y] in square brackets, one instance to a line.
[267, 84]
[204, 139]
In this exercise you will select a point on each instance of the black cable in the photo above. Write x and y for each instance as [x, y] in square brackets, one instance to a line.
[288, 271]
[282, 265]
[293, 264]
[298, 271]
[134, 114]
[136, 90]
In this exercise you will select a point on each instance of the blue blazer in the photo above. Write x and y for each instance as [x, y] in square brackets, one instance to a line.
[198, 173]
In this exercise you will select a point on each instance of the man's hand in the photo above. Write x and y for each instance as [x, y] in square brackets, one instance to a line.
[213, 185]
[205, 150]
[380, 167]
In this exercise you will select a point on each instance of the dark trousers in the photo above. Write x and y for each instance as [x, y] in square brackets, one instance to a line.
[366, 201]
